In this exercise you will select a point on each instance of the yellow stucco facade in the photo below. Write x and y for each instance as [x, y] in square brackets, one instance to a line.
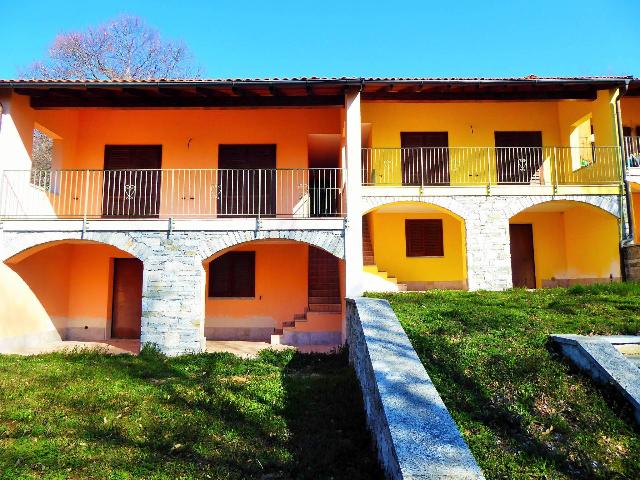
[471, 127]
[572, 243]
[387, 226]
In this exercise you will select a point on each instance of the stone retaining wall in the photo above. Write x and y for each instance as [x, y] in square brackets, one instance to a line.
[414, 433]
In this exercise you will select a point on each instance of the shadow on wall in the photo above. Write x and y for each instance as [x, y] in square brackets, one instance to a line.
[24, 322]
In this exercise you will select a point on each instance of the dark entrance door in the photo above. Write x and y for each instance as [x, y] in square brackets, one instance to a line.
[425, 158]
[518, 155]
[127, 298]
[132, 180]
[523, 267]
[247, 180]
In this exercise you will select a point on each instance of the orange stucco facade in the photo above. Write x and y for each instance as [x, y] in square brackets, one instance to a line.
[72, 282]
[281, 292]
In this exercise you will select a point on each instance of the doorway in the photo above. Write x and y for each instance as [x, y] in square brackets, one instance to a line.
[247, 180]
[324, 177]
[132, 181]
[127, 298]
[519, 156]
[425, 158]
[523, 268]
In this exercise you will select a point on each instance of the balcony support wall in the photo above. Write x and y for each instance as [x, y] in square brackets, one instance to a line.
[16, 132]
[353, 222]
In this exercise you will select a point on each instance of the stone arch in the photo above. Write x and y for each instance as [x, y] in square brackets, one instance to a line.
[386, 255]
[608, 203]
[17, 242]
[332, 242]
[568, 240]
[446, 203]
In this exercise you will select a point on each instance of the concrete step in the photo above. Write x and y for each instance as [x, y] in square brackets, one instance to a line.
[325, 299]
[324, 292]
[325, 307]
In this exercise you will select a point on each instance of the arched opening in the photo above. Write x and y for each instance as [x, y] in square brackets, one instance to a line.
[71, 290]
[413, 246]
[277, 291]
[561, 243]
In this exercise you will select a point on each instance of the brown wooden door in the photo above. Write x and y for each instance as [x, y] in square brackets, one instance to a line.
[518, 155]
[425, 158]
[247, 180]
[523, 268]
[132, 181]
[127, 298]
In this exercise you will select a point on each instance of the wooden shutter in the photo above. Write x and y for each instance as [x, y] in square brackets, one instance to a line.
[424, 238]
[233, 275]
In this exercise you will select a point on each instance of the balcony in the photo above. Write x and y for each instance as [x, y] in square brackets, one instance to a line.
[491, 166]
[172, 194]
[632, 158]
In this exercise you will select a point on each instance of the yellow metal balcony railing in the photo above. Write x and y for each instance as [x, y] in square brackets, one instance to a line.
[485, 166]
[172, 193]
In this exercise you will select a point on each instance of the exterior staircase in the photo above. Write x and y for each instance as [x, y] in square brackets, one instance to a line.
[324, 294]
[385, 276]
[381, 281]
[367, 245]
[324, 282]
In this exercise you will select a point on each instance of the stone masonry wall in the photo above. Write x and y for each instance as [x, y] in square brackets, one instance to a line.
[631, 260]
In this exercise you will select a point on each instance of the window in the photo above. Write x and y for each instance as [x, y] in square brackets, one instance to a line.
[424, 238]
[233, 275]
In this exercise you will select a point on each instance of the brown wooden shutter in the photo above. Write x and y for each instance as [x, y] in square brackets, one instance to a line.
[424, 238]
[233, 275]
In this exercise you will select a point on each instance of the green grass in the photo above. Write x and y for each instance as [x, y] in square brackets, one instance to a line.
[526, 412]
[90, 415]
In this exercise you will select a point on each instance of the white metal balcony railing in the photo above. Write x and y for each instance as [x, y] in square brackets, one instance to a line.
[480, 166]
[172, 193]
[632, 151]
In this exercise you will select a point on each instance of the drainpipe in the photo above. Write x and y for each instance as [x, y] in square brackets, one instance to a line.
[630, 234]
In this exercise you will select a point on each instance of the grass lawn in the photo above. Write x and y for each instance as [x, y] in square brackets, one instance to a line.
[89, 415]
[525, 412]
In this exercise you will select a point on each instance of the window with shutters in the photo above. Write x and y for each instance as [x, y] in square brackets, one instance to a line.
[233, 275]
[424, 238]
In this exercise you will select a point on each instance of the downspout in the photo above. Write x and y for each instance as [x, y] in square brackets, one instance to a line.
[630, 234]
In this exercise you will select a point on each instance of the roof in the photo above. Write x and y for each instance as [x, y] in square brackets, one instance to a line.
[284, 80]
[299, 91]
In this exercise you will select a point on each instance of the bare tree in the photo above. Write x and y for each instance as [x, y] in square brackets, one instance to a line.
[42, 152]
[124, 48]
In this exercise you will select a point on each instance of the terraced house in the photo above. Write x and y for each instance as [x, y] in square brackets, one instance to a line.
[176, 211]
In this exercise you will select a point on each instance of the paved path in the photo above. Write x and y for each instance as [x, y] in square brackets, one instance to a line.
[241, 348]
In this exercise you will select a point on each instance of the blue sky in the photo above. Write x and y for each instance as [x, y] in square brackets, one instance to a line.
[341, 38]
